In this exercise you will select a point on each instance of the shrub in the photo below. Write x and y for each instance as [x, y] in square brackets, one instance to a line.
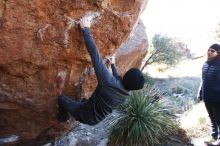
[142, 121]
[177, 90]
[148, 79]
[164, 51]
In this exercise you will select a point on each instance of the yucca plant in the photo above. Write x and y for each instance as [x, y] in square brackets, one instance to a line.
[143, 121]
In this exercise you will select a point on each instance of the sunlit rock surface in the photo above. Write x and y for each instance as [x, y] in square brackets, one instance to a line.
[42, 54]
[132, 52]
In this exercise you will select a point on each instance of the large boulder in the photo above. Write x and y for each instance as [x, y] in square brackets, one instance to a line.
[132, 52]
[42, 54]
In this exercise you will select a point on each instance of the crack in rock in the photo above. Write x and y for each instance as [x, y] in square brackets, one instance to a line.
[71, 22]
[2, 10]
[40, 32]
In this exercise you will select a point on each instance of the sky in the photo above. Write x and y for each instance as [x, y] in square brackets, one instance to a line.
[191, 20]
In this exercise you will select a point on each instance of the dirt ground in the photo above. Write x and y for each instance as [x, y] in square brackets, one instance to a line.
[197, 124]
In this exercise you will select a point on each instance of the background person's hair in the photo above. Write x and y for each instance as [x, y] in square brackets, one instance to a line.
[216, 47]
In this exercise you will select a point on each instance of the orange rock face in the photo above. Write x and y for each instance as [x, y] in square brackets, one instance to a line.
[42, 54]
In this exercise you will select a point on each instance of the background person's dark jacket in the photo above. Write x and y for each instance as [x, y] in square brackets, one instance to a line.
[210, 89]
[109, 92]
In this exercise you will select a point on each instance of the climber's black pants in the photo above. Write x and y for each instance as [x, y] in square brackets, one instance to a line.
[213, 109]
[67, 105]
[82, 111]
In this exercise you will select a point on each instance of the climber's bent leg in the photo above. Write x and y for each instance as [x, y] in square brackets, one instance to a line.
[81, 111]
[66, 105]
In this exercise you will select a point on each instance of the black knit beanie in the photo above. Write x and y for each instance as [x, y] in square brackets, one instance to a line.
[133, 79]
[216, 47]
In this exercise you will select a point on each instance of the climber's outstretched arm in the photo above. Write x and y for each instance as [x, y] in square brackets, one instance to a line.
[102, 73]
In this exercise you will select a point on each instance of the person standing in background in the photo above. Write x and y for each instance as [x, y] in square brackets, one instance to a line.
[210, 89]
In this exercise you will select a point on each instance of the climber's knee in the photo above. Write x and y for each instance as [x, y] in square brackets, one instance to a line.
[62, 115]
[63, 100]
[68, 104]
